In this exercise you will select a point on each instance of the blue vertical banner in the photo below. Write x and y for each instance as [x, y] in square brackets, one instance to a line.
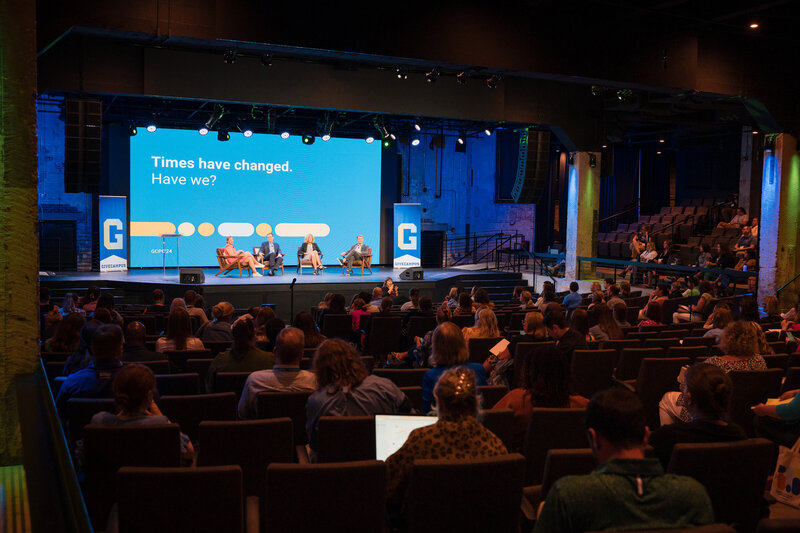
[407, 235]
[113, 233]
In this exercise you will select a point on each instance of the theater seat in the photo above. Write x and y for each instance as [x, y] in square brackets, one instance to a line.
[345, 438]
[551, 428]
[190, 410]
[559, 463]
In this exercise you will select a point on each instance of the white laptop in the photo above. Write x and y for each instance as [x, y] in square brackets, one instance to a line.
[391, 432]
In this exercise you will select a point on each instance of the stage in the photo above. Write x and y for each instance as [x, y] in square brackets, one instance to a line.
[136, 286]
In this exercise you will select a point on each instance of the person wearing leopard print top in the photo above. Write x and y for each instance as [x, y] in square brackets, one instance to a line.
[456, 435]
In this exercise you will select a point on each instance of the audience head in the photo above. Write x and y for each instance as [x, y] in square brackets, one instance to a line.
[176, 303]
[413, 293]
[614, 290]
[534, 324]
[68, 304]
[722, 317]
[662, 289]
[653, 312]
[134, 387]
[574, 287]
[244, 338]
[545, 376]
[761, 338]
[338, 366]
[579, 321]
[525, 298]
[425, 304]
[135, 334]
[517, 291]
[608, 283]
[388, 282]
[555, 323]
[456, 394]
[443, 314]
[92, 293]
[68, 333]
[200, 302]
[771, 306]
[705, 247]
[106, 301]
[482, 297]
[179, 327]
[273, 327]
[337, 303]
[447, 346]
[745, 231]
[598, 297]
[595, 287]
[223, 312]
[615, 421]
[707, 391]
[328, 297]
[386, 304]
[357, 305]
[739, 339]
[605, 319]
[722, 248]
[741, 211]
[377, 293]
[289, 345]
[705, 287]
[264, 315]
[465, 301]
[748, 309]
[189, 297]
[158, 296]
[625, 288]
[364, 295]
[486, 323]
[107, 343]
[621, 312]
[548, 291]
[103, 315]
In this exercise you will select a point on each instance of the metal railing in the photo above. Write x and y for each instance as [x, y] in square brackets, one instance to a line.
[633, 206]
[478, 248]
[778, 292]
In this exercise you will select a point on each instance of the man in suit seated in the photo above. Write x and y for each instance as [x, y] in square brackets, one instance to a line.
[270, 254]
[355, 253]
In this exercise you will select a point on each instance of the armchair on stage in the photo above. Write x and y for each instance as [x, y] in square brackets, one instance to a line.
[226, 266]
[364, 262]
[256, 251]
[303, 262]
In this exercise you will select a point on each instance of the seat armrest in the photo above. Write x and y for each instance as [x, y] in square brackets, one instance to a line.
[629, 384]
[531, 498]
[251, 515]
[302, 454]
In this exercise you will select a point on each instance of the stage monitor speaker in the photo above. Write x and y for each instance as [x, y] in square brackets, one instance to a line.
[83, 138]
[533, 167]
[192, 276]
[412, 273]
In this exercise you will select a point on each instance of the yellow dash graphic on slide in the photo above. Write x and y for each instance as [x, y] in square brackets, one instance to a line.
[151, 229]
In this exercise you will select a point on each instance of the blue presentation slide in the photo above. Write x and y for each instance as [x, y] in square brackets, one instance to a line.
[207, 190]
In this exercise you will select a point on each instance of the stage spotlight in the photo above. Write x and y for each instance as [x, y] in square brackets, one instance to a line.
[462, 77]
[493, 81]
[661, 140]
[415, 141]
[755, 132]
[132, 130]
[285, 135]
[462, 138]
[433, 75]
[488, 132]
[308, 139]
[387, 143]
[229, 56]
[203, 131]
[247, 133]
[402, 73]
[326, 137]
[418, 125]
[753, 25]
[605, 146]
[392, 136]
[658, 153]
[461, 143]
[266, 59]
[223, 135]
[151, 128]
[370, 139]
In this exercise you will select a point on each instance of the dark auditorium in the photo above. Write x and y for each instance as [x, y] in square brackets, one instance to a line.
[454, 266]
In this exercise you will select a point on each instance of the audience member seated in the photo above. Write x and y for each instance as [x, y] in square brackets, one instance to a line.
[579, 321]
[698, 312]
[417, 356]
[614, 296]
[273, 327]
[135, 350]
[179, 334]
[548, 295]
[739, 219]
[545, 383]
[567, 339]
[176, 303]
[626, 491]
[621, 315]
[605, 328]
[704, 260]
[70, 305]
[246, 259]
[448, 350]
[457, 434]
[190, 297]
[501, 368]
[780, 423]
[386, 306]
[648, 256]
[676, 290]
[596, 298]
[659, 296]
[389, 288]
[345, 388]
[772, 312]
[134, 390]
[464, 305]
[451, 300]
[526, 301]
[311, 335]
[106, 301]
[706, 391]
[721, 317]
[284, 376]
[792, 316]
[413, 302]
[573, 299]
[82, 357]
[748, 309]
[67, 337]
[264, 315]
[377, 298]
[325, 301]
[652, 315]
[664, 257]
[516, 296]
[746, 242]
[691, 288]
[481, 300]
[220, 328]
[158, 305]
[357, 310]
[754, 227]
[624, 289]
[424, 308]
[243, 356]
[739, 343]
[95, 380]
[725, 260]
[336, 306]
[89, 301]
[748, 262]
[485, 326]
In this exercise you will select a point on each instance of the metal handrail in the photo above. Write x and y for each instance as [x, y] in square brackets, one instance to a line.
[778, 292]
[628, 210]
[486, 239]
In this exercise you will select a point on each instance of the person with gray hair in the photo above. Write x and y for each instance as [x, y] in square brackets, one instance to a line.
[284, 376]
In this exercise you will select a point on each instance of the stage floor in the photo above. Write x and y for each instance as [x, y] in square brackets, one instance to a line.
[330, 275]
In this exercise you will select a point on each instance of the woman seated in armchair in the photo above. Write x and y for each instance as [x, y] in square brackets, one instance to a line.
[246, 259]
